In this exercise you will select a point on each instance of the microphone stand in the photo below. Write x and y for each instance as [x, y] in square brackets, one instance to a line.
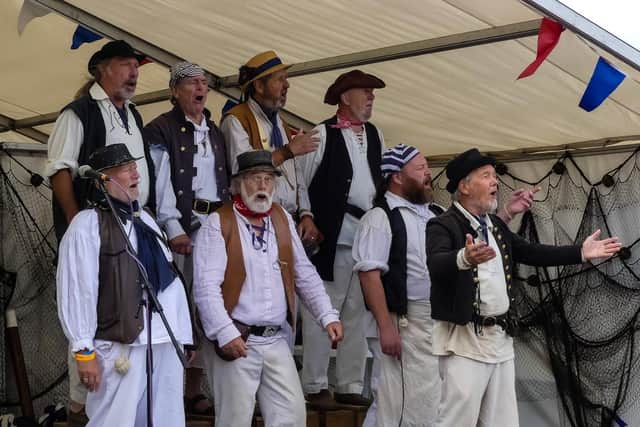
[151, 303]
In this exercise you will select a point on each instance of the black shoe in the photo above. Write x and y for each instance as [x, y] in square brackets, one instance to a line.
[353, 399]
[322, 401]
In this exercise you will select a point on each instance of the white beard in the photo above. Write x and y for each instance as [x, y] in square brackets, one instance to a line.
[253, 203]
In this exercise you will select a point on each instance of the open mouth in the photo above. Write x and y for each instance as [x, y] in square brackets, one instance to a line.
[199, 98]
[494, 193]
[261, 197]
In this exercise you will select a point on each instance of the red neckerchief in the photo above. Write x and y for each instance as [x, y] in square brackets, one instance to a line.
[345, 119]
[245, 211]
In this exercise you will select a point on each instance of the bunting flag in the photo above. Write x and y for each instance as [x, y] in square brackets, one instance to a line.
[83, 35]
[604, 81]
[28, 12]
[548, 38]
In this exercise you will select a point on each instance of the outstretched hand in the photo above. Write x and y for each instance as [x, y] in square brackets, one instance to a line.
[520, 201]
[477, 253]
[593, 248]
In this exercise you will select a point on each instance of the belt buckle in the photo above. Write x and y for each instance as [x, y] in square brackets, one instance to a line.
[197, 202]
[489, 321]
[270, 331]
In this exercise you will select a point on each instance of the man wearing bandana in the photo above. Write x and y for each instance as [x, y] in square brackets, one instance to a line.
[338, 183]
[255, 124]
[101, 304]
[189, 156]
[249, 265]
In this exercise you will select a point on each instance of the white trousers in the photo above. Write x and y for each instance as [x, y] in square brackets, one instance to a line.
[121, 400]
[409, 389]
[351, 354]
[477, 394]
[374, 347]
[268, 373]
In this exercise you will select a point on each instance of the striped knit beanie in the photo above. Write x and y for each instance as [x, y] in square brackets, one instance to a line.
[182, 70]
[396, 157]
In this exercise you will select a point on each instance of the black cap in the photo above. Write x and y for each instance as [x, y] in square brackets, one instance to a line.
[114, 49]
[111, 156]
[463, 164]
[256, 161]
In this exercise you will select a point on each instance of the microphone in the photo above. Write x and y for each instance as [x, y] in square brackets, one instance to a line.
[85, 171]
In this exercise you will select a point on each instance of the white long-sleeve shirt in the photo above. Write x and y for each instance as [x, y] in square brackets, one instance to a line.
[372, 243]
[362, 189]
[77, 287]
[238, 142]
[66, 139]
[203, 184]
[262, 299]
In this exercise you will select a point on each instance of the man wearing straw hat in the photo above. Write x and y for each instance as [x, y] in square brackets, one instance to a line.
[256, 124]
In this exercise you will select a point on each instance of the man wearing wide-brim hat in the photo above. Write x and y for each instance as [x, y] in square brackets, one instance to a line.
[338, 184]
[470, 256]
[249, 266]
[256, 124]
[102, 114]
[101, 303]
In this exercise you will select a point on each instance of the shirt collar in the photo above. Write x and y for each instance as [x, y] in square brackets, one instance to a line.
[395, 201]
[257, 109]
[202, 126]
[472, 219]
[97, 92]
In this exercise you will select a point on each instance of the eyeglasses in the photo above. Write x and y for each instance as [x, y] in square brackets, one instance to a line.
[257, 179]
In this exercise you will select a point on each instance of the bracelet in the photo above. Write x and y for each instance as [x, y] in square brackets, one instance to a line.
[80, 357]
[288, 154]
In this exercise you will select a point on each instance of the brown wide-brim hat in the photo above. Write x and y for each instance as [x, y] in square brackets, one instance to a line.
[256, 161]
[261, 65]
[354, 79]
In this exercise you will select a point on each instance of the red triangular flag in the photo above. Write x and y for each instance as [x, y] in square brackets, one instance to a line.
[548, 38]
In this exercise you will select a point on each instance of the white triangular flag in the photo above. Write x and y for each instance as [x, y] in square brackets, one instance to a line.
[29, 11]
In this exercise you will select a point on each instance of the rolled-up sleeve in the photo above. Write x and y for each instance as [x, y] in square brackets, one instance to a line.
[209, 265]
[64, 144]
[372, 242]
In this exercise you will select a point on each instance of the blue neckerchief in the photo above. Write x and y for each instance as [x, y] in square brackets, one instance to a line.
[159, 271]
[276, 136]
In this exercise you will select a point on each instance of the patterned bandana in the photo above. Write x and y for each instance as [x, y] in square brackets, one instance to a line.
[244, 209]
[396, 157]
[182, 70]
[345, 120]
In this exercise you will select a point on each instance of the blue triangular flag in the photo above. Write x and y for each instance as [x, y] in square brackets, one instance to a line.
[228, 105]
[82, 35]
[619, 421]
[604, 81]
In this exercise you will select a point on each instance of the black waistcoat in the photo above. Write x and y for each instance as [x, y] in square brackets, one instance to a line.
[394, 281]
[94, 132]
[329, 189]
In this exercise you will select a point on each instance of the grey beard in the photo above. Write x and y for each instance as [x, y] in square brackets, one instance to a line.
[257, 206]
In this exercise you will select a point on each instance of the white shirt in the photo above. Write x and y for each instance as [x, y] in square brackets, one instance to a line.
[262, 299]
[493, 345]
[362, 189]
[238, 142]
[77, 287]
[67, 136]
[372, 243]
[204, 182]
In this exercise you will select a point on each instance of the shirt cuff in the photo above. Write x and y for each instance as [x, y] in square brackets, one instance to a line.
[305, 212]
[81, 344]
[227, 334]
[329, 317]
[173, 229]
[371, 265]
[462, 263]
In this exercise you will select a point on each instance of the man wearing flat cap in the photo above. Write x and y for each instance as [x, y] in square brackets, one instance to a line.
[470, 256]
[337, 185]
[249, 266]
[101, 304]
[102, 114]
[256, 124]
[190, 162]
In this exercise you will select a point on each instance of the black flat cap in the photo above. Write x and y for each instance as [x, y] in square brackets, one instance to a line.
[111, 156]
[114, 49]
[256, 161]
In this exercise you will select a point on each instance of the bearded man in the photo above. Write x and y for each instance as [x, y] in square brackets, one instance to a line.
[249, 264]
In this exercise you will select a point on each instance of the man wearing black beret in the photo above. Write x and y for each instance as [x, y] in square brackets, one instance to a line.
[470, 256]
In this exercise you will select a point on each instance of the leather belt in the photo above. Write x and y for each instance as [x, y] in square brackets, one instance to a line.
[263, 331]
[205, 207]
[488, 321]
[355, 211]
